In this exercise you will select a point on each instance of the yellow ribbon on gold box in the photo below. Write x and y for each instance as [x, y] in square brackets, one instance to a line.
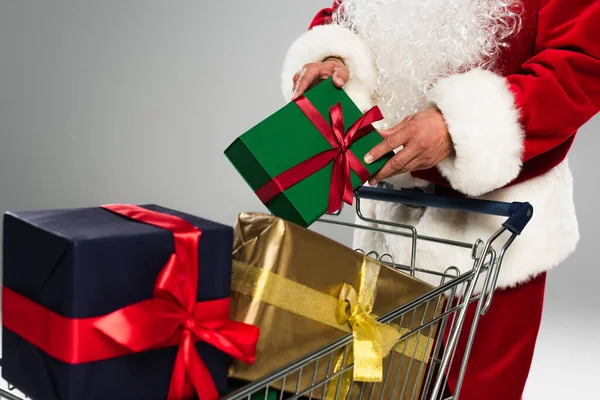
[350, 312]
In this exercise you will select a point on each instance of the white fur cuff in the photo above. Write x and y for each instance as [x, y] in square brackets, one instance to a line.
[484, 125]
[333, 40]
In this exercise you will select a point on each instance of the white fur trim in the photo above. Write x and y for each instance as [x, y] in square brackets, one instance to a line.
[484, 125]
[407, 181]
[333, 40]
[548, 239]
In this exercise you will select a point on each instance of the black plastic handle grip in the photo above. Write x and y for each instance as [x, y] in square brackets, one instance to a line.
[519, 214]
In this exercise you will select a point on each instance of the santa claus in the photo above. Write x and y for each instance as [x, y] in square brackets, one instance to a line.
[482, 98]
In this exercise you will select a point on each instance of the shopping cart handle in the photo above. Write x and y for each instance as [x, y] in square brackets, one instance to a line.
[519, 214]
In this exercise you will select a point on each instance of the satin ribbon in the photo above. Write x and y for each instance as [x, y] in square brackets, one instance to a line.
[372, 340]
[172, 317]
[344, 161]
[351, 311]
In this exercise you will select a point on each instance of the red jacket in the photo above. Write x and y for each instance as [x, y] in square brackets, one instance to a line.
[553, 69]
[511, 127]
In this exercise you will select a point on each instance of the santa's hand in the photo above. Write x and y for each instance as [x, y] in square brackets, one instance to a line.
[311, 74]
[425, 142]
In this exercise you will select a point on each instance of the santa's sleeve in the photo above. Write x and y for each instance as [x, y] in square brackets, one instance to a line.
[326, 39]
[497, 123]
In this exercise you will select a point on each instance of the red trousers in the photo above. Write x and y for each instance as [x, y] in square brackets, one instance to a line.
[504, 343]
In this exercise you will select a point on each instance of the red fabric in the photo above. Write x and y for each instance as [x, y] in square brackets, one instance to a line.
[504, 344]
[344, 161]
[552, 67]
[323, 17]
[172, 317]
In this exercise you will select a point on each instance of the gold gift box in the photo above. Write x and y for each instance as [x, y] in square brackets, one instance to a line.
[296, 259]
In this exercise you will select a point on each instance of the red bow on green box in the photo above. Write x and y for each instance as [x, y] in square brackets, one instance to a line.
[172, 317]
[306, 159]
[343, 159]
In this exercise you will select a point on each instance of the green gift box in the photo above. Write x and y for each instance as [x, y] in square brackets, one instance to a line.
[299, 159]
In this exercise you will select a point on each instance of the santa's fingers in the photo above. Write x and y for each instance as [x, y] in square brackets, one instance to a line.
[392, 140]
[295, 80]
[387, 132]
[340, 76]
[397, 164]
[339, 73]
[413, 165]
[311, 74]
[335, 67]
[308, 75]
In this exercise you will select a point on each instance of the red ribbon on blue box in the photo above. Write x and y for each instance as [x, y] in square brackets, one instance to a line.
[172, 317]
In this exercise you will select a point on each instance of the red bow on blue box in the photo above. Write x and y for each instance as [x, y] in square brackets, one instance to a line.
[172, 317]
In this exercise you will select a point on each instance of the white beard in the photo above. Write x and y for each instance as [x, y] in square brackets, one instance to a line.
[416, 42]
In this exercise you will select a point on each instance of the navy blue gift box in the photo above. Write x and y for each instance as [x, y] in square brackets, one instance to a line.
[90, 262]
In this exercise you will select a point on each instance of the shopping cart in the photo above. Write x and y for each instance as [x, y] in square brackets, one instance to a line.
[455, 283]
[451, 298]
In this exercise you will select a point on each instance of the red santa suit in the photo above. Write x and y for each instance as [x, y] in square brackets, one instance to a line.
[514, 80]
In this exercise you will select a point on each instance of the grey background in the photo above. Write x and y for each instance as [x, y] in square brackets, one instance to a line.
[135, 101]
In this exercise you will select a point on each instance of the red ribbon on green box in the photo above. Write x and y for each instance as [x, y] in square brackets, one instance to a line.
[344, 161]
[172, 317]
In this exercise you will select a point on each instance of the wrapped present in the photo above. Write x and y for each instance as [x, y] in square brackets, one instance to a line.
[304, 291]
[120, 302]
[307, 158]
